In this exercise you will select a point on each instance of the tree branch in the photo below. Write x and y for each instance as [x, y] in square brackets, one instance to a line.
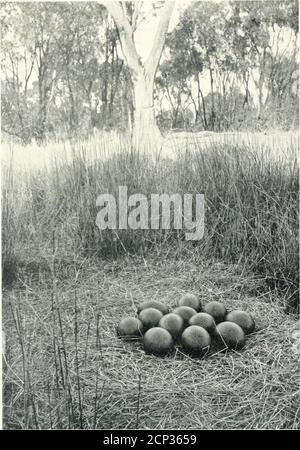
[125, 32]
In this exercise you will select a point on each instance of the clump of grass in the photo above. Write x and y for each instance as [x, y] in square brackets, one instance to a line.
[9, 214]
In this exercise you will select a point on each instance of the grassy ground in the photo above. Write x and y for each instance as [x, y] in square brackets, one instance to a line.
[66, 368]
[66, 285]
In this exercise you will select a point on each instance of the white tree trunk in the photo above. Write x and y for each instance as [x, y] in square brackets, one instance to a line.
[145, 130]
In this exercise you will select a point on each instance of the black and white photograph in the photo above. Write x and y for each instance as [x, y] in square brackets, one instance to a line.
[150, 218]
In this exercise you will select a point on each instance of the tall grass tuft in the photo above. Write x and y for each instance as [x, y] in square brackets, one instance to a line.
[9, 215]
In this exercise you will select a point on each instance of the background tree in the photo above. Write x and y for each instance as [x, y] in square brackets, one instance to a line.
[68, 68]
[142, 73]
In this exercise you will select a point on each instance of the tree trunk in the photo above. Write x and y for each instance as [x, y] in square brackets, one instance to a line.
[145, 129]
[200, 94]
[40, 132]
[72, 117]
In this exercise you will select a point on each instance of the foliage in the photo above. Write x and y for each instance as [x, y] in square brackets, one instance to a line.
[62, 69]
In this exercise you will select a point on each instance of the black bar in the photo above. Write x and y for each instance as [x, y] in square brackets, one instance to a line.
[126, 439]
